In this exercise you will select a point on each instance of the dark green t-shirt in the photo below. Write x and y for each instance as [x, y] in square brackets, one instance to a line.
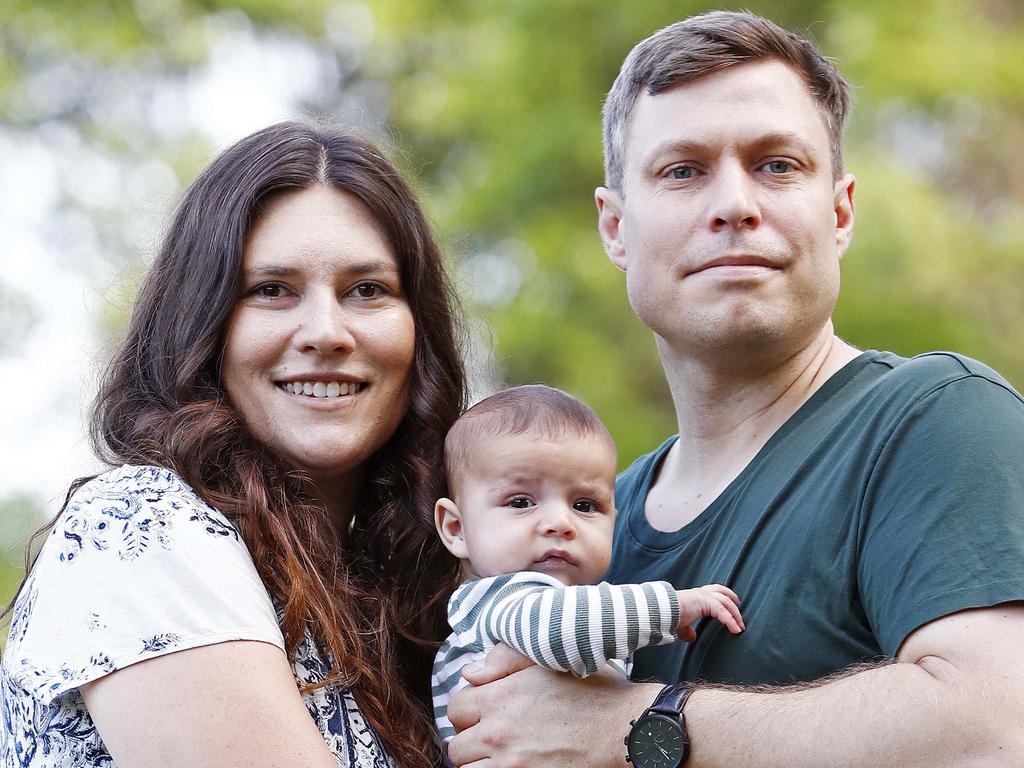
[894, 496]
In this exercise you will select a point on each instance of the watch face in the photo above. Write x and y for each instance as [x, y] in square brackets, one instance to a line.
[656, 742]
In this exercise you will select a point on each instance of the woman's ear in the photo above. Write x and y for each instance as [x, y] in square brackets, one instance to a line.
[448, 521]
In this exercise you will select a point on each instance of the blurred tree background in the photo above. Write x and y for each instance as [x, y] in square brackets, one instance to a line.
[108, 108]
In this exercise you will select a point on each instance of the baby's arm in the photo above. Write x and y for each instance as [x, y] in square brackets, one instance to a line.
[713, 600]
[577, 629]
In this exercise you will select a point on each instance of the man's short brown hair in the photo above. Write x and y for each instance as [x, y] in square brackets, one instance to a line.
[701, 45]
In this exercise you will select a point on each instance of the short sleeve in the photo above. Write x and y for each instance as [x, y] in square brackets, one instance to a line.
[943, 526]
[137, 566]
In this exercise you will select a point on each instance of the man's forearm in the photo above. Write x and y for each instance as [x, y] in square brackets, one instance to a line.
[955, 698]
[899, 714]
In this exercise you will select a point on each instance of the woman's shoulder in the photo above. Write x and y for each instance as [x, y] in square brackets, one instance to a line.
[132, 508]
[141, 485]
[136, 565]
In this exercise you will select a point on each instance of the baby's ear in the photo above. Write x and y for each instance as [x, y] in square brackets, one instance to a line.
[448, 521]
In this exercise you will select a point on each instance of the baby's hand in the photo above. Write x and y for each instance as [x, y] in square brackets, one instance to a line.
[713, 600]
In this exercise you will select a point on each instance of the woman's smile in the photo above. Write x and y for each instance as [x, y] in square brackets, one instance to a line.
[322, 387]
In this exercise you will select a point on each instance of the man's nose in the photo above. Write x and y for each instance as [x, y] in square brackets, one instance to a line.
[324, 325]
[734, 199]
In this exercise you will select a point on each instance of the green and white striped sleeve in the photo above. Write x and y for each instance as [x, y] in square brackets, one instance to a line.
[573, 629]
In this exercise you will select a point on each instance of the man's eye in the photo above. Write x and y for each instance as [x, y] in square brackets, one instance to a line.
[681, 172]
[585, 505]
[778, 166]
[520, 502]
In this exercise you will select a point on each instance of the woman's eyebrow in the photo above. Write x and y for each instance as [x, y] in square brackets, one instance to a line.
[368, 267]
[355, 268]
[270, 270]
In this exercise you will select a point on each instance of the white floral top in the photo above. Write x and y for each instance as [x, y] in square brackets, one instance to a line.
[138, 566]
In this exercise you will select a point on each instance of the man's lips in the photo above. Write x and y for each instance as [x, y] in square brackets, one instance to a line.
[739, 261]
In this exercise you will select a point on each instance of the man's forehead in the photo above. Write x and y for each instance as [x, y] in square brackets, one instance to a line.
[760, 97]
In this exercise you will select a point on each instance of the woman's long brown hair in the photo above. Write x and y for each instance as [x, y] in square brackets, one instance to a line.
[373, 595]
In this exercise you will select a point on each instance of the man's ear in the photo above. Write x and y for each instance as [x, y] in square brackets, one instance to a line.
[844, 212]
[610, 226]
[448, 521]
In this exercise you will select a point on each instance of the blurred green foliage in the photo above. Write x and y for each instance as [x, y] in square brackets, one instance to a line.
[18, 515]
[495, 107]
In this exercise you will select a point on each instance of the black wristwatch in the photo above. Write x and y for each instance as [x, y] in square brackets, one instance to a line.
[657, 739]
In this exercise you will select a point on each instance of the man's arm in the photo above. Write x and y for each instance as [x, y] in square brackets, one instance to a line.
[954, 697]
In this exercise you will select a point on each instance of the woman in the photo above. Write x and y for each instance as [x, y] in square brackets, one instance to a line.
[278, 410]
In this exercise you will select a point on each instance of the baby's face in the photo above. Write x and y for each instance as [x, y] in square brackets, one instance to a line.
[532, 504]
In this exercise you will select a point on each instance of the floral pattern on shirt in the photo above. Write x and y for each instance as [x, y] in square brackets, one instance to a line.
[126, 514]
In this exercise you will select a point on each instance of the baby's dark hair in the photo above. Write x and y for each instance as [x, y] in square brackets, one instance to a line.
[530, 408]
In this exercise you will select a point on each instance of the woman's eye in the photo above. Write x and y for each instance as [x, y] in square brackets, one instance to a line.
[268, 291]
[367, 290]
[520, 502]
[585, 505]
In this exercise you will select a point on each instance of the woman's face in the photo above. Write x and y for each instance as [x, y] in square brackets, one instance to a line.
[320, 344]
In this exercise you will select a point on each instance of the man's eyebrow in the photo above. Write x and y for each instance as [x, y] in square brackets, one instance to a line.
[788, 139]
[675, 147]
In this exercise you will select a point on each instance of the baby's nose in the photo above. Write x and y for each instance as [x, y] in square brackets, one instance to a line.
[559, 522]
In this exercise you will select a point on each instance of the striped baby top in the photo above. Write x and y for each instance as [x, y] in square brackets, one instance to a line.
[568, 629]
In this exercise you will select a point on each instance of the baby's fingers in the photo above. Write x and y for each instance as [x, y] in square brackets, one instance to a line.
[715, 601]
[723, 590]
[728, 613]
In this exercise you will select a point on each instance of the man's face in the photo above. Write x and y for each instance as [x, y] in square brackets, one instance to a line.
[731, 225]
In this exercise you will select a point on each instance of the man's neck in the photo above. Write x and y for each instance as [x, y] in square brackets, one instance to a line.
[726, 414]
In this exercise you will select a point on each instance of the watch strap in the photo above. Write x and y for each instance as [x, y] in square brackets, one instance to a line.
[672, 699]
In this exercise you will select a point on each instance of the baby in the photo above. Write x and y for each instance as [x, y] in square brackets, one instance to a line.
[531, 471]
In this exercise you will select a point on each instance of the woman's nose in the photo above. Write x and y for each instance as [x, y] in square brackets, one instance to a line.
[325, 327]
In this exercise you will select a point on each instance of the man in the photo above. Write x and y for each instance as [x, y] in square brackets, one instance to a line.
[868, 509]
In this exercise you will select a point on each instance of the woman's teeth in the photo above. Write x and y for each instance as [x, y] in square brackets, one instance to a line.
[321, 388]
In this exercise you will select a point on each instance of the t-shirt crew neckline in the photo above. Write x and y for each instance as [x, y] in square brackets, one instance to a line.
[662, 541]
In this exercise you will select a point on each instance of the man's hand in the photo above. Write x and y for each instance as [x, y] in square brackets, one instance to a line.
[521, 715]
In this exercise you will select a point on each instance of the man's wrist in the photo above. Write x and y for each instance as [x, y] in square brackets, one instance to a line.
[658, 736]
[636, 700]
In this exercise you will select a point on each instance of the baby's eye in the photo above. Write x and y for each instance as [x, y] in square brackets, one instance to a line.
[520, 502]
[585, 505]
